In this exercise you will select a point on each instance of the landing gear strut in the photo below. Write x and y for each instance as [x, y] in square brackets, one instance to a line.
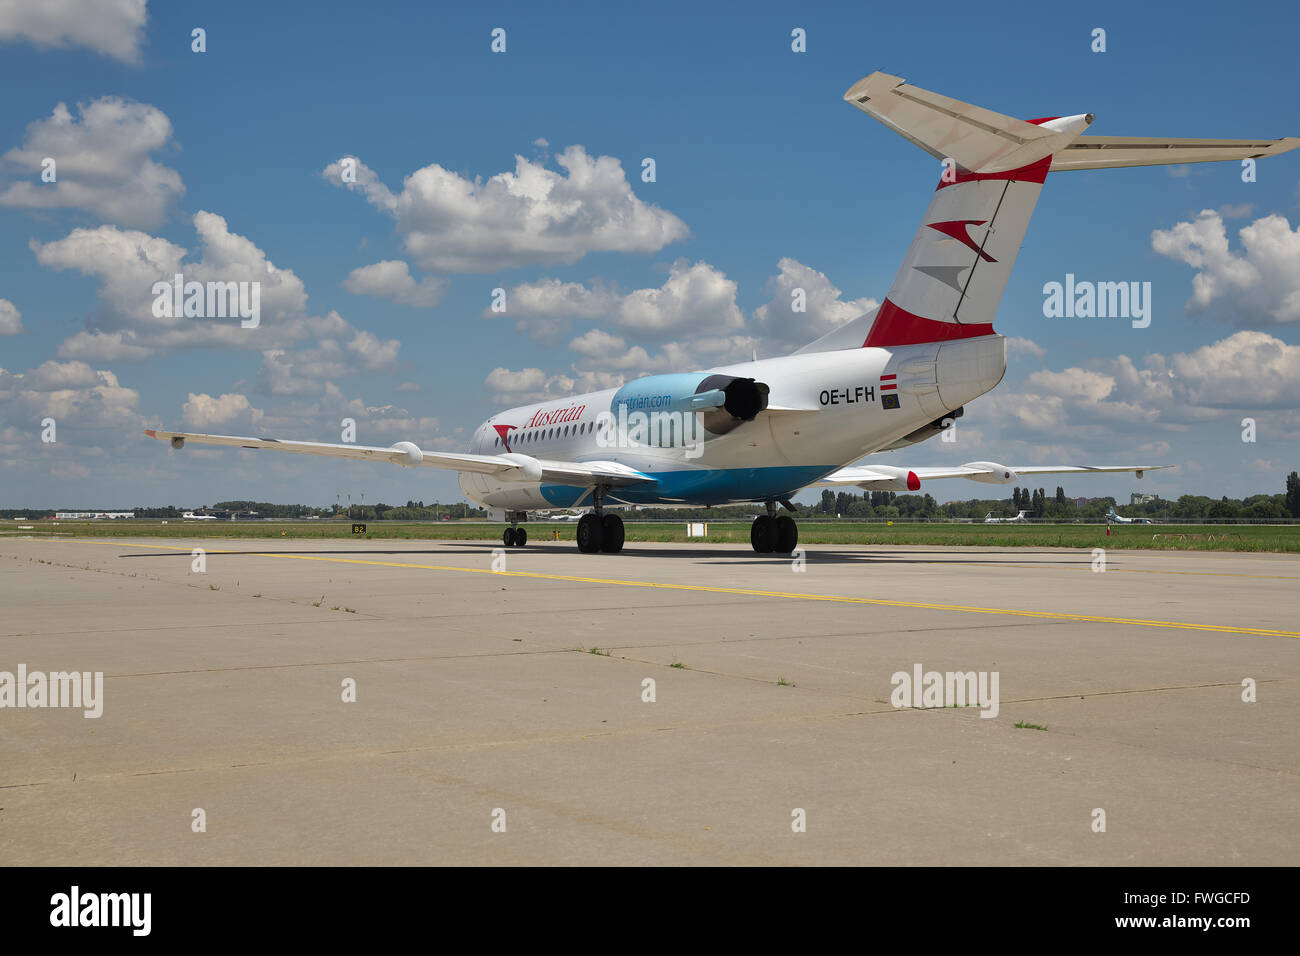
[515, 536]
[773, 533]
[598, 531]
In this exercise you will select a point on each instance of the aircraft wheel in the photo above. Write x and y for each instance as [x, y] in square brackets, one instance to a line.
[589, 533]
[611, 534]
[762, 534]
[509, 537]
[521, 537]
[787, 535]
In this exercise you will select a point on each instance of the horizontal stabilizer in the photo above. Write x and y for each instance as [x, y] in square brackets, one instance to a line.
[1108, 152]
[976, 139]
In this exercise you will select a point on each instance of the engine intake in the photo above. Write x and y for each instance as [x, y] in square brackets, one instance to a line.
[745, 396]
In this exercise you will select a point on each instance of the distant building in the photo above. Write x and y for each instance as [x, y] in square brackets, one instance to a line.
[1142, 498]
[91, 515]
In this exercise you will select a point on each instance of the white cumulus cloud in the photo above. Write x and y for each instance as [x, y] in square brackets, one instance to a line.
[101, 160]
[11, 320]
[823, 303]
[96, 346]
[532, 216]
[392, 279]
[86, 403]
[205, 411]
[1259, 283]
[527, 385]
[112, 27]
[128, 262]
[1018, 346]
[696, 297]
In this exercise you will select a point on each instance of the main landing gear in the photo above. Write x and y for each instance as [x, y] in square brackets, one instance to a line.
[598, 531]
[515, 536]
[773, 533]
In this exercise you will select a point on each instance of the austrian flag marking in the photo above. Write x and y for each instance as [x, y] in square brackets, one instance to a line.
[889, 391]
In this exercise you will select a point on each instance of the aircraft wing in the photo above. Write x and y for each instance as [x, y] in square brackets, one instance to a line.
[512, 466]
[891, 478]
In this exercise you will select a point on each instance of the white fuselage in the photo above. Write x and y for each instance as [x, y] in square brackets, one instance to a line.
[824, 410]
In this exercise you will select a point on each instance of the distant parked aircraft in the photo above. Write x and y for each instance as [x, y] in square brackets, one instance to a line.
[990, 518]
[1120, 519]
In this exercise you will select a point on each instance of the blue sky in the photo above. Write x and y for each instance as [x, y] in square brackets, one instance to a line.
[764, 177]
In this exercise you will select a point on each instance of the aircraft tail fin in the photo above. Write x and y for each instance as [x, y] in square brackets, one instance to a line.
[953, 275]
[952, 278]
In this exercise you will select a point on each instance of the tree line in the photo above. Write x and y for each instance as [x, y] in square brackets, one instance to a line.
[1057, 507]
[842, 504]
[411, 511]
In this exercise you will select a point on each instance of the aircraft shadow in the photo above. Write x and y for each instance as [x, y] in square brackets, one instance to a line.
[713, 556]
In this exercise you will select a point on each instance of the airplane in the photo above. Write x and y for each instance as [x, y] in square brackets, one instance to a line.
[191, 516]
[1120, 519]
[760, 431]
[991, 519]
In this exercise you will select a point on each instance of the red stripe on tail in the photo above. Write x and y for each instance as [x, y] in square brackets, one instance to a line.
[895, 326]
[1033, 173]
